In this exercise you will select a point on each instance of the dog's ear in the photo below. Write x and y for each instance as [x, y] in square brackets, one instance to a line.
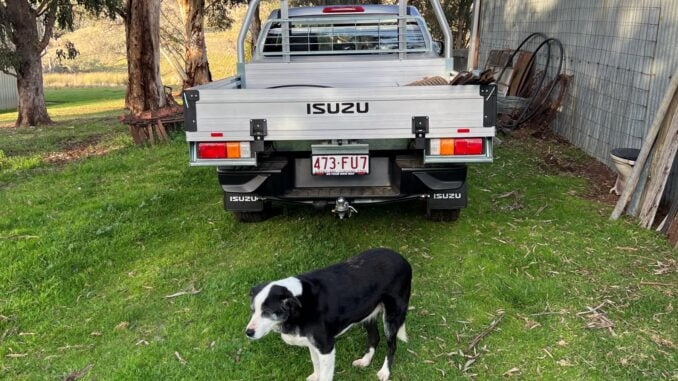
[257, 289]
[291, 305]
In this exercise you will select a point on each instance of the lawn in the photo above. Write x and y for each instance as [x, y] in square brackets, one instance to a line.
[91, 248]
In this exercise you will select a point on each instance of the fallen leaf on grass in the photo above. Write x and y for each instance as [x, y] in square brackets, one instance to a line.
[599, 321]
[668, 267]
[96, 333]
[69, 346]
[511, 372]
[562, 343]
[26, 334]
[192, 291]
[529, 323]
[564, 362]
[547, 352]
[122, 325]
[79, 374]
[468, 364]
[16, 355]
[181, 359]
[142, 342]
[663, 342]
[517, 204]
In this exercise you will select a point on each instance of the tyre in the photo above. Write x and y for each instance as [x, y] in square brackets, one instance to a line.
[443, 215]
[251, 217]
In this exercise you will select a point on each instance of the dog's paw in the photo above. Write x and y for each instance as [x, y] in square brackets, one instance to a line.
[313, 377]
[383, 374]
[361, 363]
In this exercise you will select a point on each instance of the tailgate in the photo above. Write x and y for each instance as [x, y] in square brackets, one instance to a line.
[303, 113]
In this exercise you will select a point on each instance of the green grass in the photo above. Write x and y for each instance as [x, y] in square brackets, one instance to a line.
[89, 245]
[73, 105]
[83, 117]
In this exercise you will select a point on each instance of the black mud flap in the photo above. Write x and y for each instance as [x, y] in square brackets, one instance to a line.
[448, 199]
[243, 202]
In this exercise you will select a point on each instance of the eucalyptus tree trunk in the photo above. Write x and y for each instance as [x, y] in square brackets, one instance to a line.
[197, 67]
[142, 33]
[29, 45]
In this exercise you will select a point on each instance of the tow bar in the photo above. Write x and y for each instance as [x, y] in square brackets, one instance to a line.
[342, 208]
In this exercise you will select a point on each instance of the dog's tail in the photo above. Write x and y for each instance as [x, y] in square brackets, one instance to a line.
[402, 334]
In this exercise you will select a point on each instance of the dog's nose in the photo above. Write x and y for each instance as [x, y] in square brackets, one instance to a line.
[249, 332]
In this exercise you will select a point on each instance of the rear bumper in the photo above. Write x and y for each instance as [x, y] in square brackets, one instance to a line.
[391, 178]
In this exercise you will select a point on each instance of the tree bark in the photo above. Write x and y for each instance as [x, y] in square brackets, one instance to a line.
[197, 67]
[255, 29]
[32, 109]
[145, 91]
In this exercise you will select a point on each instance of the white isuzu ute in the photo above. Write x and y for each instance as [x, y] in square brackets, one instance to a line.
[322, 114]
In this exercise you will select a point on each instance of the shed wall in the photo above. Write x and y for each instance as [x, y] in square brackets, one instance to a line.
[8, 94]
[621, 53]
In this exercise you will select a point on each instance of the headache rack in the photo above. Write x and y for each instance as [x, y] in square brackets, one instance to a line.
[366, 34]
[394, 34]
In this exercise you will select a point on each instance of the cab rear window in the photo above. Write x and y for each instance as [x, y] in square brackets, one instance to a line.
[373, 36]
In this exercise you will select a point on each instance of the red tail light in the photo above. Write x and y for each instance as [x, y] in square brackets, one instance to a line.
[212, 151]
[224, 150]
[344, 9]
[472, 146]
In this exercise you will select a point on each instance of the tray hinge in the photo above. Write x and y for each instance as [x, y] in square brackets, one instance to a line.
[489, 94]
[258, 130]
[420, 129]
[190, 115]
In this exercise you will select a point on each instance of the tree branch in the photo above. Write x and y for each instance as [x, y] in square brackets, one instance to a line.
[43, 7]
[8, 72]
[50, 19]
[122, 10]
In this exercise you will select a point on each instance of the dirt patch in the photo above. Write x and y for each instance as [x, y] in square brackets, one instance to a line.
[77, 150]
[555, 159]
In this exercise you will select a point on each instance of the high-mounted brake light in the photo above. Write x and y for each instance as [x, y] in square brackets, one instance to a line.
[448, 147]
[224, 150]
[343, 9]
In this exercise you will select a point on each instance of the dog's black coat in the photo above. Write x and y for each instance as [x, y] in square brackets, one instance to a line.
[335, 297]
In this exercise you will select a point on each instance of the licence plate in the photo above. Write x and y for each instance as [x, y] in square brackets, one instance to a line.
[340, 165]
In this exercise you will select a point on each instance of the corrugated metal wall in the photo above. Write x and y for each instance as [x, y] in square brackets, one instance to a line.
[8, 95]
[622, 54]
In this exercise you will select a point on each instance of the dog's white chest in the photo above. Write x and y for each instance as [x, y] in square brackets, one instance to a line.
[299, 341]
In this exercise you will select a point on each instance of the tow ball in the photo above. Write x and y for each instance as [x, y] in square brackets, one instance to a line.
[342, 208]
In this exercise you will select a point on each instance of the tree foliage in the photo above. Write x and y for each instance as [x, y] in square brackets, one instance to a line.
[49, 14]
[459, 15]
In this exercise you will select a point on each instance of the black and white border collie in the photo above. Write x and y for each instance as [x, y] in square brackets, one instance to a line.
[314, 308]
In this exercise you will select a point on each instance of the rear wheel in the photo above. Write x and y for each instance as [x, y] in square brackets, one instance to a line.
[443, 215]
[251, 217]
